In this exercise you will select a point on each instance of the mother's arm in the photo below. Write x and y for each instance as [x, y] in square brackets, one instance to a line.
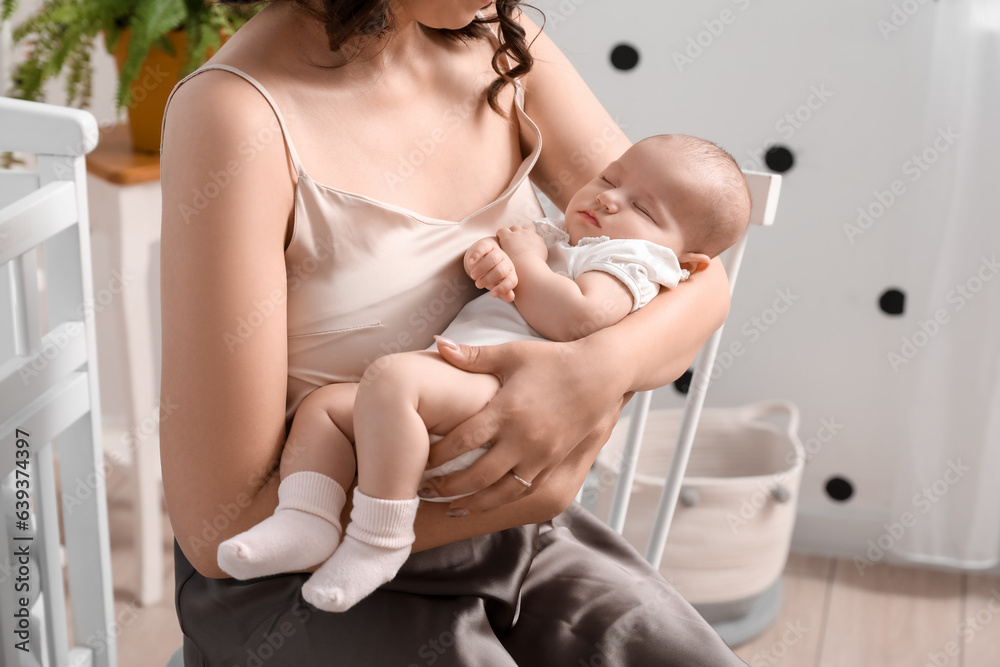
[220, 255]
[556, 395]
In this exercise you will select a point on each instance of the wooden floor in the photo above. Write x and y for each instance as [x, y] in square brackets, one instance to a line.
[832, 616]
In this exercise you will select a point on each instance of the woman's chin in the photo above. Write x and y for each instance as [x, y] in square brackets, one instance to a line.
[457, 18]
[449, 24]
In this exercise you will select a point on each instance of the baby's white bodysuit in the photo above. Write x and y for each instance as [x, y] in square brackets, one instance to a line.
[641, 265]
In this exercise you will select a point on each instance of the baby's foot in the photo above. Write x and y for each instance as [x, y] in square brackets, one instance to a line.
[377, 543]
[286, 541]
[303, 531]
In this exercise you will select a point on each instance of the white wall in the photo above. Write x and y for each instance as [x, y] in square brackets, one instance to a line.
[753, 64]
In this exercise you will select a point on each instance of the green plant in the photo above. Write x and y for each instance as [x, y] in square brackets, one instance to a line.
[7, 8]
[62, 34]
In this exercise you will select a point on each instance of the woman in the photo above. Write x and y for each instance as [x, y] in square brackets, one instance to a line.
[293, 255]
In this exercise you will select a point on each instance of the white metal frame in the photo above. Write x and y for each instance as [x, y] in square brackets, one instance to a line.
[49, 390]
[764, 191]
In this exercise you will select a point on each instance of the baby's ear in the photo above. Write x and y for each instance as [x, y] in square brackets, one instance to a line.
[694, 262]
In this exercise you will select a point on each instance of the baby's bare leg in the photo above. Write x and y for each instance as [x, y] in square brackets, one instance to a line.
[401, 398]
[321, 435]
[411, 395]
[317, 465]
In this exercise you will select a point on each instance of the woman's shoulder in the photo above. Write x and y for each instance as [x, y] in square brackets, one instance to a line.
[226, 80]
[205, 88]
[216, 113]
[218, 130]
[225, 104]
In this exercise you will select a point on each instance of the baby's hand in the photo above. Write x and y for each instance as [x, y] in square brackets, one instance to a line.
[491, 268]
[522, 240]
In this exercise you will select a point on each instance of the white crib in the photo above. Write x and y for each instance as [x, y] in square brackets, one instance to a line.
[49, 401]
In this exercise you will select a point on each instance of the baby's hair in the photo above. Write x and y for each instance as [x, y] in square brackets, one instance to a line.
[726, 194]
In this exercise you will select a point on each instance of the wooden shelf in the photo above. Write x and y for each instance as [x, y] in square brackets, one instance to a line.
[116, 161]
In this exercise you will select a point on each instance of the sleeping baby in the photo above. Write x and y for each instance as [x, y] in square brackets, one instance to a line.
[652, 218]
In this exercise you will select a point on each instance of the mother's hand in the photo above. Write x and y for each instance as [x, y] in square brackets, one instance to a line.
[554, 403]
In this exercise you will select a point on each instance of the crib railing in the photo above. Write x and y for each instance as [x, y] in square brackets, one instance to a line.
[49, 401]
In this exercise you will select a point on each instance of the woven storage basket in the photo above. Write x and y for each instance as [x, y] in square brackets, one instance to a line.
[732, 528]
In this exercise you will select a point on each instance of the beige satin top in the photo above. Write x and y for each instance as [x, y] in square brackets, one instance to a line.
[367, 278]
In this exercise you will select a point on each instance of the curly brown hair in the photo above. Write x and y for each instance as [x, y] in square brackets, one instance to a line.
[345, 19]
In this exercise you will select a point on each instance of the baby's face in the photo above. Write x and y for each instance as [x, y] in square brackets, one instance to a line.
[644, 194]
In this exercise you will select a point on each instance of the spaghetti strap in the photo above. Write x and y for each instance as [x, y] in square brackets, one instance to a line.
[263, 91]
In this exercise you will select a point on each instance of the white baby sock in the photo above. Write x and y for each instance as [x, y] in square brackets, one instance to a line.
[376, 544]
[303, 531]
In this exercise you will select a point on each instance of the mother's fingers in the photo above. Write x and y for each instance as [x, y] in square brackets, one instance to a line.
[474, 432]
[488, 469]
[505, 490]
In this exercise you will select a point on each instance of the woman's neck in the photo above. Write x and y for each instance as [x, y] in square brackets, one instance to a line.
[405, 47]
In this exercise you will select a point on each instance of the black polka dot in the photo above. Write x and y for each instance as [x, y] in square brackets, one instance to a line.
[624, 56]
[682, 383]
[839, 488]
[779, 159]
[892, 302]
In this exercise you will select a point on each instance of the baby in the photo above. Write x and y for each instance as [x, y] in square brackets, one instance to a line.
[653, 217]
